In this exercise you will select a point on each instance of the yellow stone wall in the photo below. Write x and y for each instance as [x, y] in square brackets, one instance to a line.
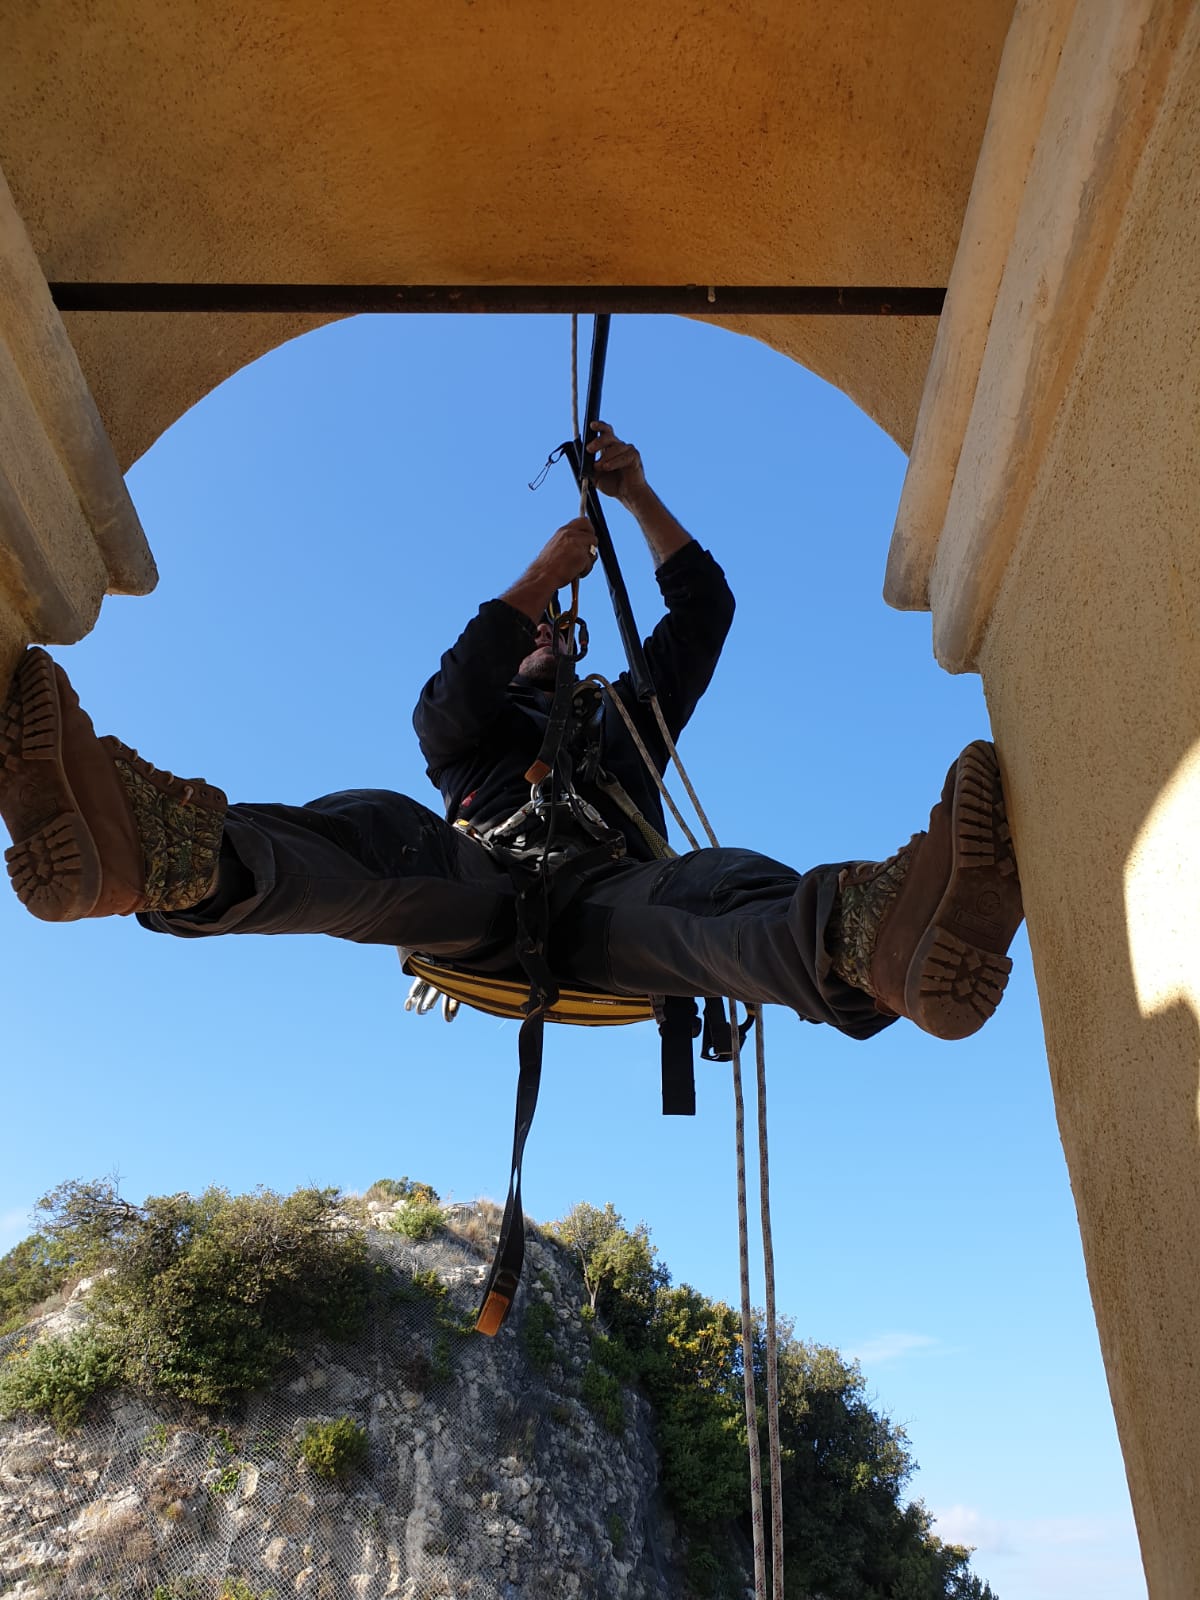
[398, 141]
[1092, 668]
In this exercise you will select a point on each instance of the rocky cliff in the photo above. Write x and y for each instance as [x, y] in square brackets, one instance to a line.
[483, 1472]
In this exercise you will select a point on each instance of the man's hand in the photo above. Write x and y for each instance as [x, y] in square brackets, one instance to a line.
[618, 471]
[569, 553]
[618, 466]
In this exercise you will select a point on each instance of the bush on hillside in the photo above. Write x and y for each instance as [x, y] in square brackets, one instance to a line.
[202, 1297]
[30, 1273]
[602, 1396]
[417, 1220]
[422, 1194]
[334, 1449]
[56, 1377]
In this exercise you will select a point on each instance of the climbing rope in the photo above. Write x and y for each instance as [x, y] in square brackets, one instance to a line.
[772, 1350]
[771, 1355]
[682, 771]
[639, 743]
[739, 1124]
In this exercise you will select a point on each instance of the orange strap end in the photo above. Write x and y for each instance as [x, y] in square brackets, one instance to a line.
[537, 772]
[492, 1314]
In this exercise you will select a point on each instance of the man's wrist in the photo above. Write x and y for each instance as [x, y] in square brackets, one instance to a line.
[531, 593]
[639, 499]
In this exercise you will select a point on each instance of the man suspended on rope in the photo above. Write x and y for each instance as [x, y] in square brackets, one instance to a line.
[98, 831]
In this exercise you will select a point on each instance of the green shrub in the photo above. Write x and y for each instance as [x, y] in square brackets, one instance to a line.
[617, 1533]
[202, 1589]
[427, 1282]
[207, 1297]
[536, 1335]
[708, 1575]
[57, 1377]
[602, 1396]
[615, 1357]
[239, 1589]
[418, 1219]
[422, 1194]
[441, 1357]
[334, 1449]
[387, 1189]
[31, 1272]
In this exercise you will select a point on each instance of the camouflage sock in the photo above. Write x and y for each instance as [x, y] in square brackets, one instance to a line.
[180, 841]
[867, 890]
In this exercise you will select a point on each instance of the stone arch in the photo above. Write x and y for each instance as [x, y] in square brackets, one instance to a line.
[695, 143]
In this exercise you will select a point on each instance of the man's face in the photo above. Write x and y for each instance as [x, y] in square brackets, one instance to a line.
[541, 664]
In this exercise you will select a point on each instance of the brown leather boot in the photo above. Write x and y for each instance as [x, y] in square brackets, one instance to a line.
[96, 830]
[925, 933]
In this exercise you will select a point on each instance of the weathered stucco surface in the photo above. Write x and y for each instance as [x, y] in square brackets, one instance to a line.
[1063, 565]
[1092, 666]
[404, 142]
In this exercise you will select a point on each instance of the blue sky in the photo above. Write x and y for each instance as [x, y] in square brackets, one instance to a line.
[324, 524]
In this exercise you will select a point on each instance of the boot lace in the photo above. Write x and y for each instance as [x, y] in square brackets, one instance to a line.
[158, 776]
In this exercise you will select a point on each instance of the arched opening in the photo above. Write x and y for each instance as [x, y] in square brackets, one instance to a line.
[324, 523]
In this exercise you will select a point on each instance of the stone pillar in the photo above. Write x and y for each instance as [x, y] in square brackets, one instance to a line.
[1051, 522]
[68, 530]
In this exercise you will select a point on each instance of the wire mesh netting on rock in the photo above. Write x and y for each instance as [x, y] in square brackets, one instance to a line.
[420, 1460]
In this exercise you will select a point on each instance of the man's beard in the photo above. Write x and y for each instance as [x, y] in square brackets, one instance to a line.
[540, 668]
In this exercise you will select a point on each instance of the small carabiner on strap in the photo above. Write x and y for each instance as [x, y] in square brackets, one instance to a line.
[422, 997]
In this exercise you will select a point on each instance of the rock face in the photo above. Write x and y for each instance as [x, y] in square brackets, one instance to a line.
[486, 1475]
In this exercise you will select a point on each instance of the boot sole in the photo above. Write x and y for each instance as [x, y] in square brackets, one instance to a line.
[53, 862]
[959, 968]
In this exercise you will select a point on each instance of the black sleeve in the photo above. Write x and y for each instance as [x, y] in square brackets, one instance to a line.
[463, 701]
[683, 650]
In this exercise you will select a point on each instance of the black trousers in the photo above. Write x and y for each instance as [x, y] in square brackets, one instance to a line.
[378, 868]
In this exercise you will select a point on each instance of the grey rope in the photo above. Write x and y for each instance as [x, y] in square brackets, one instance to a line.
[615, 699]
[772, 1360]
[679, 767]
[755, 1453]
[772, 1351]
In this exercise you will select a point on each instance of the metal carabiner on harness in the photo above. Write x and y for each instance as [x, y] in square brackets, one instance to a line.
[423, 996]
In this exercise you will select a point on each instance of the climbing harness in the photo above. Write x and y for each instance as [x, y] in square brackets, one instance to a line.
[549, 846]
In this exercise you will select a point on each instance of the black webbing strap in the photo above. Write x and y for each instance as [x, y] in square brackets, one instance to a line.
[556, 722]
[501, 1287]
[678, 1025]
[631, 642]
[540, 897]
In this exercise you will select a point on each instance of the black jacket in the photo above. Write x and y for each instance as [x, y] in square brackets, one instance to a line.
[480, 728]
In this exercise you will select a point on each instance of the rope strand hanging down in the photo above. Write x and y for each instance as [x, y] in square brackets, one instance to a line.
[739, 1127]
[755, 1013]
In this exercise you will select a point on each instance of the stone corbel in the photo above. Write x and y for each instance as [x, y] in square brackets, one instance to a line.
[1076, 97]
[68, 531]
